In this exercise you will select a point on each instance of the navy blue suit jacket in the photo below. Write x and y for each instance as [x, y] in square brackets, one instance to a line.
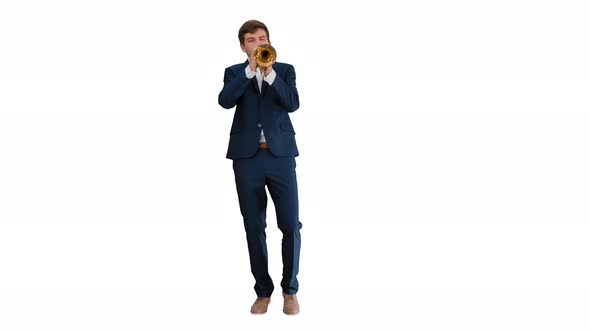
[268, 110]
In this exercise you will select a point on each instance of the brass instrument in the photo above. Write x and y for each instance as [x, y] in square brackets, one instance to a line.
[265, 55]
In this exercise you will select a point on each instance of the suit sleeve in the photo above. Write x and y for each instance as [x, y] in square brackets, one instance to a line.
[234, 86]
[286, 90]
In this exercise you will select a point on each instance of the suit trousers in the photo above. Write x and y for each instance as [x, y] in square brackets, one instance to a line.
[278, 174]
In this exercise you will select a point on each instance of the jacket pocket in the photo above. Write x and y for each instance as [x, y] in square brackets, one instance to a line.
[287, 128]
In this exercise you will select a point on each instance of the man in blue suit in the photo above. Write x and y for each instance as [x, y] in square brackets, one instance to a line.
[262, 146]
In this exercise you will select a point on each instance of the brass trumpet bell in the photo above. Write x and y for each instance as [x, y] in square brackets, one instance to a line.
[265, 56]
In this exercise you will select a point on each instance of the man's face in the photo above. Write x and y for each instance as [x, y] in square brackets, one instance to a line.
[252, 40]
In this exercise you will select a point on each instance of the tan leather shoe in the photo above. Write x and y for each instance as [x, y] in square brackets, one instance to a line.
[291, 305]
[260, 305]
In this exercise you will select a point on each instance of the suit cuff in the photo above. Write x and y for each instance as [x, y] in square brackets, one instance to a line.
[271, 77]
[249, 72]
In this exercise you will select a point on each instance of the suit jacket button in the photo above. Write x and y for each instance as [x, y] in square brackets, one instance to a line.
[259, 125]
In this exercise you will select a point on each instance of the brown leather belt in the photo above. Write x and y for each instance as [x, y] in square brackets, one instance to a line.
[262, 146]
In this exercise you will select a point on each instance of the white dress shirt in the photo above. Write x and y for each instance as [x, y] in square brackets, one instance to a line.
[270, 78]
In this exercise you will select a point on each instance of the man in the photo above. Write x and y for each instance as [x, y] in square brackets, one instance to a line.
[262, 146]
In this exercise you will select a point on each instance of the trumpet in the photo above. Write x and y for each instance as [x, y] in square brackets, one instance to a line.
[265, 56]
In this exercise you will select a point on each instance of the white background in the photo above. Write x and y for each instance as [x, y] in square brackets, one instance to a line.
[443, 174]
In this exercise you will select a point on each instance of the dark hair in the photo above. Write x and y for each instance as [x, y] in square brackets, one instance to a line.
[251, 27]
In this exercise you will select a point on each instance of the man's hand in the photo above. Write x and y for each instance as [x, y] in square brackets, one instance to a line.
[252, 61]
[268, 70]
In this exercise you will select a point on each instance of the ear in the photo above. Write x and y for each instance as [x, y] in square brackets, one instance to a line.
[243, 48]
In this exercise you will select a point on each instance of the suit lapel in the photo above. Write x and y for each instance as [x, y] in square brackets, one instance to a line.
[254, 81]
[255, 85]
[264, 87]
